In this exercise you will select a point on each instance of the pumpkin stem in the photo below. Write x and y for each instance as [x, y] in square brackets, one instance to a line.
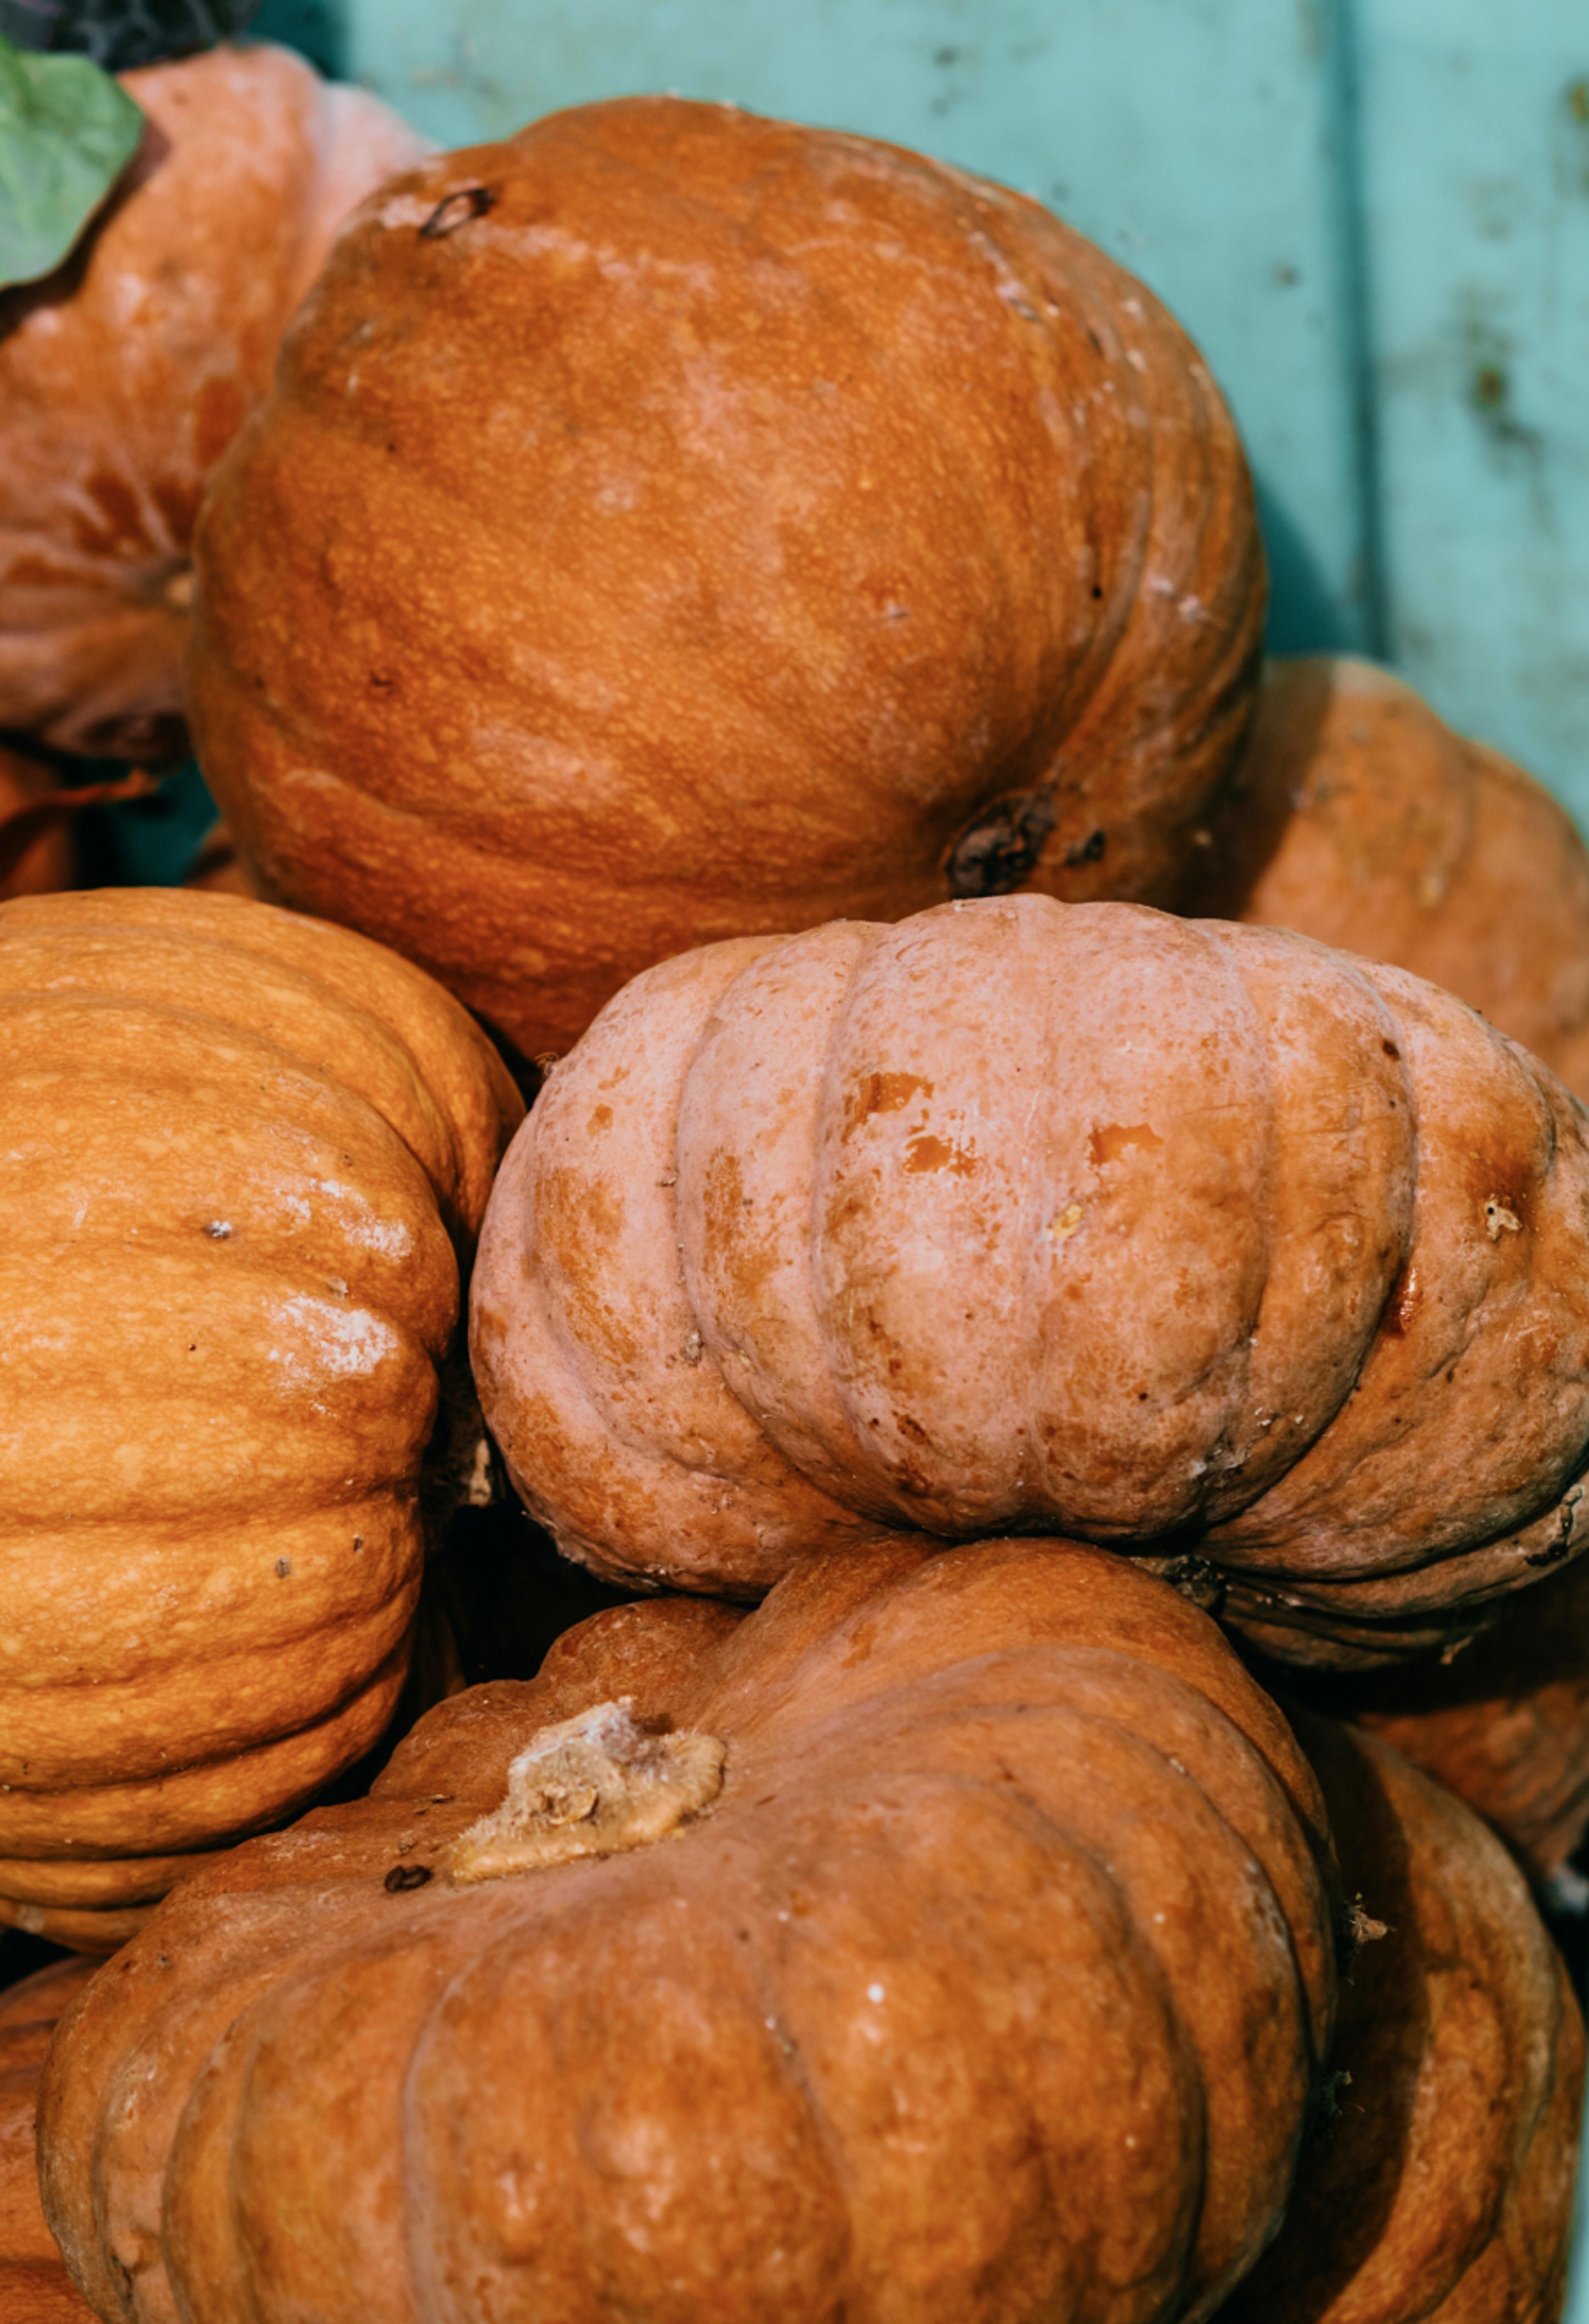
[593, 1786]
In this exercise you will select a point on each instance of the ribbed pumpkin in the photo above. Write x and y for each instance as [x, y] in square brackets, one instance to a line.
[34, 2287]
[669, 523]
[124, 374]
[1356, 817]
[1506, 1723]
[240, 1150]
[945, 1940]
[1195, 1239]
[1439, 2184]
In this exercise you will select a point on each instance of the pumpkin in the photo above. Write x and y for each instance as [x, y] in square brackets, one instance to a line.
[948, 1938]
[1356, 817]
[1199, 1240]
[841, 533]
[34, 2287]
[1438, 2184]
[123, 375]
[243, 1154]
[1504, 1724]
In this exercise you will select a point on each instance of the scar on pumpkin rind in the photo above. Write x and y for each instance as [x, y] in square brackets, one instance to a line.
[596, 1785]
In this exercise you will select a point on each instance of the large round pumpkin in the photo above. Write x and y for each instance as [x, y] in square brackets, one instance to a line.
[1356, 817]
[1437, 2182]
[241, 1152]
[34, 2287]
[1196, 1239]
[668, 523]
[947, 1939]
[123, 375]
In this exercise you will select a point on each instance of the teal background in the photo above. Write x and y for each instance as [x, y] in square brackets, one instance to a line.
[1374, 215]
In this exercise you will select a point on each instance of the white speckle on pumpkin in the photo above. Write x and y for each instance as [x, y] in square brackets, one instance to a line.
[874, 1994]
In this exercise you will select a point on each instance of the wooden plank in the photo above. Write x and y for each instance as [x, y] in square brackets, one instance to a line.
[1476, 152]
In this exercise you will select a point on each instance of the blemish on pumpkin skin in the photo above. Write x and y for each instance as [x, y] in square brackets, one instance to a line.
[1109, 1140]
[883, 1093]
[600, 1118]
[926, 1152]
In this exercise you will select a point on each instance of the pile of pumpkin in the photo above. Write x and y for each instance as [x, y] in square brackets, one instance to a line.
[1016, 1257]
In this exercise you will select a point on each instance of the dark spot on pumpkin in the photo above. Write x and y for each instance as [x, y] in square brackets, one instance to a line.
[927, 1153]
[1096, 589]
[1000, 846]
[1091, 850]
[283, 1568]
[912, 1429]
[1114, 1138]
[884, 1093]
[455, 210]
[1391, 1050]
[601, 1118]
[378, 678]
[407, 1876]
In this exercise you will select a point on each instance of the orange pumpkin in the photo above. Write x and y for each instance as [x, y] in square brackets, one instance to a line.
[1356, 817]
[1438, 2183]
[1194, 1238]
[948, 1938]
[34, 2287]
[123, 376]
[243, 1152]
[841, 533]
[1506, 1723]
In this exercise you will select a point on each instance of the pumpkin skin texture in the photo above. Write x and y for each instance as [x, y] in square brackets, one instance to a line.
[1356, 817]
[243, 1154]
[34, 2287]
[1443, 2188]
[123, 375]
[912, 2022]
[1197, 1239]
[845, 533]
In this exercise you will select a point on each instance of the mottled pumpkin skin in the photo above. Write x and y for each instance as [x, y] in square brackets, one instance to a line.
[34, 2286]
[1356, 817]
[670, 523]
[1440, 2186]
[242, 1154]
[124, 374]
[1194, 1238]
[991, 1989]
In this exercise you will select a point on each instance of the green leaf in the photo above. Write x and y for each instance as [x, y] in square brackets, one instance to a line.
[66, 132]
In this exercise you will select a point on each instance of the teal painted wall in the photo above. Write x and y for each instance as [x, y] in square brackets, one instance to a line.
[1372, 214]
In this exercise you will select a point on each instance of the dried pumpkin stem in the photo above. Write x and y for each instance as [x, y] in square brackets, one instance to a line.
[594, 1785]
